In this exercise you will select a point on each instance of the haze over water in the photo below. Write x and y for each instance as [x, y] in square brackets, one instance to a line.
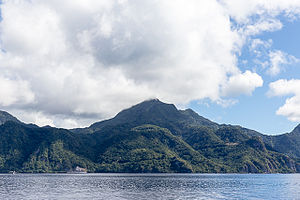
[150, 186]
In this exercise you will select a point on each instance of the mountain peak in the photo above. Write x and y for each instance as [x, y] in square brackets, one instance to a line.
[5, 116]
[152, 108]
[153, 100]
[296, 129]
[150, 102]
[155, 112]
[151, 111]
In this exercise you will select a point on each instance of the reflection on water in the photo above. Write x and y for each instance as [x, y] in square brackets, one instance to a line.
[150, 186]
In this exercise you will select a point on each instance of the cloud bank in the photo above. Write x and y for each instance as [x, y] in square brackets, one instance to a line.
[283, 87]
[68, 63]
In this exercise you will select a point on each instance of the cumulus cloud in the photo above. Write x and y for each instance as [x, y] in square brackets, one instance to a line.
[244, 83]
[278, 60]
[15, 92]
[260, 48]
[242, 11]
[271, 60]
[74, 61]
[283, 87]
[261, 26]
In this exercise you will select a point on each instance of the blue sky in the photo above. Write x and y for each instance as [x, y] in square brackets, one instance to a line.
[73, 62]
[258, 111]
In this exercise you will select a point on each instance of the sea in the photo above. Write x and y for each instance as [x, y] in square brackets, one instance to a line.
[149, 186]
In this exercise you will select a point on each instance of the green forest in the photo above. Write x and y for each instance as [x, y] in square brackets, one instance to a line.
[151, 137]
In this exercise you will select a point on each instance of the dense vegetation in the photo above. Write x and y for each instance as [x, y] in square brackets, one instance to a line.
[149, 137]
[4, 117]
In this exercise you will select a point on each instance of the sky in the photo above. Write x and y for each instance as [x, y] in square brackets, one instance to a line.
[73, 62]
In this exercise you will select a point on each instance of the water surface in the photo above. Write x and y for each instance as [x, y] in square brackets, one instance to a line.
[150, 186]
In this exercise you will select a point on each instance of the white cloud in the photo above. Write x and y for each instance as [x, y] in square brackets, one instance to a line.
[15, 92]
[259, 47]
[81, 60]
[264, 24]
[227, 102]
[242, 84]
[284, 87]
[40, 119]
[36, 33]
[278, 60]
[291, 108]
[242, 11]
[272, 61]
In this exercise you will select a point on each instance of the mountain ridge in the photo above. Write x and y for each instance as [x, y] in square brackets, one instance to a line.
[148, 137]
[5, 116]
[144, 113]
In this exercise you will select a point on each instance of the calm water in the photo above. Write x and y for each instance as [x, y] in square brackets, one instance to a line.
[150, 186]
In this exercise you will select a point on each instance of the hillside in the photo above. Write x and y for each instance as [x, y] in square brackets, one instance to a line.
[149, 137]
[5, 116]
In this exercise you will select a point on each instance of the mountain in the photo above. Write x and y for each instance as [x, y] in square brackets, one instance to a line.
[33, 149]
[149, 137]
[288, 143]
[153, 112]
[5, 116]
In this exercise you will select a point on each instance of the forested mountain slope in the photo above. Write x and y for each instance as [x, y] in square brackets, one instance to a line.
[149, 137]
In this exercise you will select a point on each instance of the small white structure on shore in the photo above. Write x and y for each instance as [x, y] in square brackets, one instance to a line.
[80, 170]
